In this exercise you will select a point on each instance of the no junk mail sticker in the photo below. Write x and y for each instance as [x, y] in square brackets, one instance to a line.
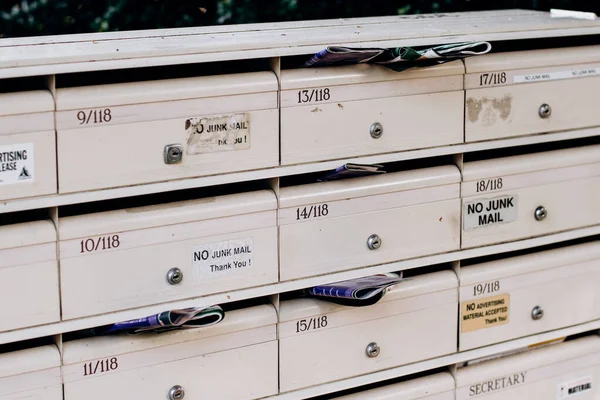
[16, 164]
[217, 133]
[485, 212]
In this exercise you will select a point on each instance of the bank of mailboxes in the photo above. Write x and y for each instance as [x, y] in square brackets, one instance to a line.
[528, 92]
[27, 144]
[149, 255]
[333, 226]
[517, 197]
[525, 295]
[320, 341]
[568, 370]
[28, 275]
[234, 360]
[131, 133]
[32, 374]
[435, 387]
[337, 112]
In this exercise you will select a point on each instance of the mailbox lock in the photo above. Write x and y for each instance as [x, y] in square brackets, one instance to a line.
[173, 153]
[540, 213]
[537, 313]
[374, 242]
[376, 130]
[176, 393]
[372, 350]
[545, 111]
[174, 276]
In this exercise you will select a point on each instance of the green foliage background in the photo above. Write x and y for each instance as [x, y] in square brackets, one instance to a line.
[43, 17]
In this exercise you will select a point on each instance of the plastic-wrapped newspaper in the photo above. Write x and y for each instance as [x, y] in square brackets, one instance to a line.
[398, 58]
[357, 292]
[194, 317]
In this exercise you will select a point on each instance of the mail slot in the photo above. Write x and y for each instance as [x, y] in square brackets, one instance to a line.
[233, 360]
[139, 132]
[559, 371]
[530, 294]
[522, 196]
[337, 112]
[27, 144]
[320, 341]
[435, 387]
[28, 275]
[528, 92]
[32, 374]
[132, 257]
[339, 225]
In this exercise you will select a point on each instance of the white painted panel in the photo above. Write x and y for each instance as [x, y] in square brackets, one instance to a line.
[130, 154]
[330, 131]
[331, 245]
[501, 112]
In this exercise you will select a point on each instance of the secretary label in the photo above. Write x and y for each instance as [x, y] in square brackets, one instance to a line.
[222, 258]
[484, 212]
[217, 133]
[485, 313]
[16, 164]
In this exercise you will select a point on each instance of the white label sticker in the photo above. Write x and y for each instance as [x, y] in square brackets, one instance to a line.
[222, 258]
[574, 388]
[218, 133]
[484, 212]
[550, 76]
[16, 164]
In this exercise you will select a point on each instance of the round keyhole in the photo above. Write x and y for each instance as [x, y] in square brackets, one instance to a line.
[373, 350]
[174, 153]
[537, 313]
[176, 393]
[376, 130]
[374, 242]
[540, 213]
[545, 111]
[174, 276]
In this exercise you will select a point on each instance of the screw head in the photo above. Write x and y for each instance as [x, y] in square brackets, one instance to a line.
[376, 130]
[540, 213]
[174, 276]
[545, 111]
[176, 393]
[537, 313]
[173, 153]
[374, 242]
[372, 350]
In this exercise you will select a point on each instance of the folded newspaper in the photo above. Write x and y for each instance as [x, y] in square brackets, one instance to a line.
[352, 171]
[167, 320]
[399, 58]
[357, 292]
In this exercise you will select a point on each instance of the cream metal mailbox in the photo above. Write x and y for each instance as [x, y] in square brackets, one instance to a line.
[233, 360]
[333, 226]
[140, 256]
[434, 387]
[320, 341]
[562, 371]
[27, 144]
[32, 374]
[336, 112]
[525, 295]
[28, 275]
[140, 132]
[528, 195]
[527, 92]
